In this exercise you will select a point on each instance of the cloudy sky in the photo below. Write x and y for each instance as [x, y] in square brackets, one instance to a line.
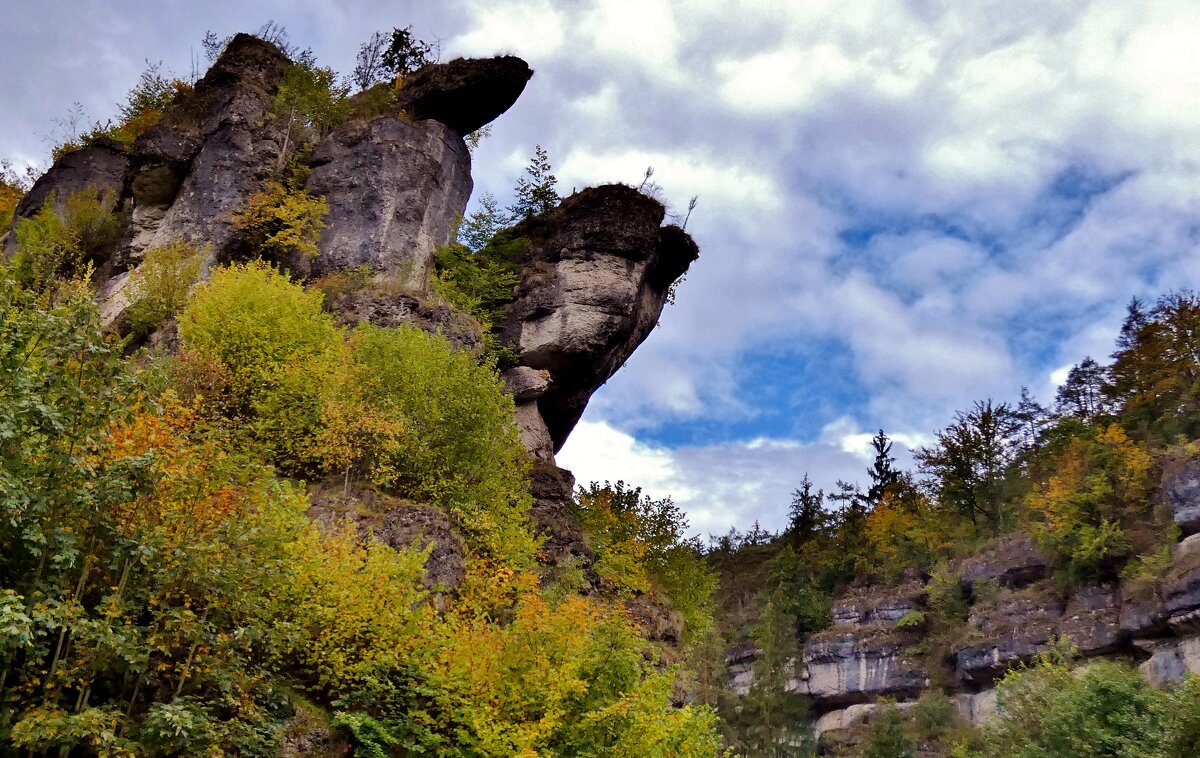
[904, 205]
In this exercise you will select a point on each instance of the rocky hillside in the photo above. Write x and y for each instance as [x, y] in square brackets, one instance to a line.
[283, 472]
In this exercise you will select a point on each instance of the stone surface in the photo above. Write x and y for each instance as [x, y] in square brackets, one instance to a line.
[853, 664]
[1014, 628]
[1013, 560]
[657, 621]
[739, 662]
[525, 383]
[1092, 619]
[1142, 612]
[976, 708]
[464, 94]
[1181, 492]
[1188, 548]
[1180, 591]
[553, 490]
[592, 287]
[100, 168]
[879, 605]
[394, 190]
[1170, 659]
[211, 151]
[398, 524]
[385, 308]
[534, 434]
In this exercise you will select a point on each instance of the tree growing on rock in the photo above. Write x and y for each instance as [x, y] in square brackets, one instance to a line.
[536, 194]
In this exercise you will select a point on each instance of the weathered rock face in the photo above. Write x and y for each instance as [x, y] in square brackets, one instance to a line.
[465, 94]
[394, 189]
[592, 287]
[1181, 492]
[1170, 659]
[1181, 595]
[1014, 628]
[102, 168]
[1091, 619]
[195, 169]
[875, 605]
[853, 664]
[1013, 560]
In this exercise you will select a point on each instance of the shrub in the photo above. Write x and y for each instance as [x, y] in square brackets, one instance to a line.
[257, 324]
[419, 419]
[1047, 711]
[160, 285]
[55, 244]
[887, 738]
[281, 220]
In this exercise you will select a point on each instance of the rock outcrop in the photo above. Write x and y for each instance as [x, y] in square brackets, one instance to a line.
[394, 189]
[102, 168]
[592, 286]
[1181, 493]
[465, 94]
[1012, 560]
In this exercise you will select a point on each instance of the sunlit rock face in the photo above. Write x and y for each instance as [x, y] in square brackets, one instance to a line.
[593, 285]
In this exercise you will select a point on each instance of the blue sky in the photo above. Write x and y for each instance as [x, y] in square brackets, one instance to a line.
[903, 206]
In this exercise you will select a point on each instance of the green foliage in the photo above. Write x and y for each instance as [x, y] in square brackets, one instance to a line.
[1047, 711]
[642, 543]
[887, 738]
[54, 243]
[478, 273]
[258, 326]
[427, 422]
[405, 53]
[911, 620]
[282, 219]
[160, 285]
[310, 97]
[535, 194]
[13, 187]
[1100, 486]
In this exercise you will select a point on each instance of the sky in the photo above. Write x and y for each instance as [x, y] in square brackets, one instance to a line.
[904, 206]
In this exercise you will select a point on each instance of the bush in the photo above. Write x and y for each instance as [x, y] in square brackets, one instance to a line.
[160, 285]
[53, 244]
[1046, 711]
[282, 220]
[887, 738]
[259, 327]
[421, 420]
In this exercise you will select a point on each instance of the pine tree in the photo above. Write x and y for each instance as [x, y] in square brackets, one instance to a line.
[807, 518]
[883, 472]
[536, 194]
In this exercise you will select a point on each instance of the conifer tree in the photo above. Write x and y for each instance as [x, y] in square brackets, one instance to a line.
[536, 194]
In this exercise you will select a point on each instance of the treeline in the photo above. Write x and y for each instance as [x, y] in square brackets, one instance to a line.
[1077, 477]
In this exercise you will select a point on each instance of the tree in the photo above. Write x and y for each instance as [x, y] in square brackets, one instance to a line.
[807, 519]
[1156, 369]
[369, 69]
[967, 466]
[883, 472]
[1082, 395]
[405, 53]
[536, 194]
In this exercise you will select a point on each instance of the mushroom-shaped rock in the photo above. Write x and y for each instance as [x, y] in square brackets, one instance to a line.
[465, 94]
[593, 283]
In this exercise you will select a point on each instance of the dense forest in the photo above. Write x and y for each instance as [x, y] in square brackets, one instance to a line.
[194, 501]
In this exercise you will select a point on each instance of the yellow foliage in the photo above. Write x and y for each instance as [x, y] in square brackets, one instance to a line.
[279, 221]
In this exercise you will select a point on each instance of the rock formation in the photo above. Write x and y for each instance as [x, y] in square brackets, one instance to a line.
[592, 285]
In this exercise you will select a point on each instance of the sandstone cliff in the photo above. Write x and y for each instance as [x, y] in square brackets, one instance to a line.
[592, 285]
